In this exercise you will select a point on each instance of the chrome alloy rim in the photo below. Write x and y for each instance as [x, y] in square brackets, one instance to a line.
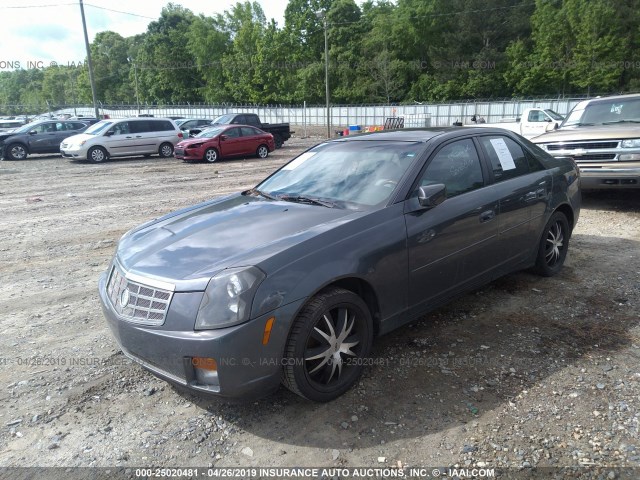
[332, 345]
[555, 244]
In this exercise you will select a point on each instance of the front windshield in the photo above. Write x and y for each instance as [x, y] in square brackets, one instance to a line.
[223, 119]
[602, 112]
[97, 128]
[353, 174]
[210, 133]
[27, 128]
[554, 115]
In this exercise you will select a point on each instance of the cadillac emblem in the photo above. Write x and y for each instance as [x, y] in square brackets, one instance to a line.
[124, 298]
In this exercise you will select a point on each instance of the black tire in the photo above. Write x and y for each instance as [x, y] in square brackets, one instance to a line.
[166, 150]
[16, 151]
[277, 139]
[310, 366]
[97, 154]
[262, 151]
[211, 155]
[553, 246]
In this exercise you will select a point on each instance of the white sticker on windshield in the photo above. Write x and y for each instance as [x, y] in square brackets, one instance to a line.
[504, 155]
[299, 161]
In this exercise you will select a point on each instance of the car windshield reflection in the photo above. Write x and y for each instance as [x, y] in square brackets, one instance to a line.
[349, 174]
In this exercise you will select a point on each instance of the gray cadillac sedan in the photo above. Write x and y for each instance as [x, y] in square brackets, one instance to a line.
[290, 281]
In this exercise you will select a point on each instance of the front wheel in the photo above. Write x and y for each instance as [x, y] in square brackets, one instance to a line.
[97, 154]
[165, 150]
[211, 155]
[327, 346]
[553, 246]
[262, 152]
[16, 151]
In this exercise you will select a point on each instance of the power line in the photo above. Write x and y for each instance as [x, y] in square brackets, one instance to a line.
[120, 11]
[40, 6]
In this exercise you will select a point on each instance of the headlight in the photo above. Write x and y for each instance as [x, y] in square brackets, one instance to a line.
[631, 143]
[227, 300]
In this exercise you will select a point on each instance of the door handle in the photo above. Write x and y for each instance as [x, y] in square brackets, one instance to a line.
[128, 137]
[138, 136]
[542, 192]
[530, 196]
[487, 216]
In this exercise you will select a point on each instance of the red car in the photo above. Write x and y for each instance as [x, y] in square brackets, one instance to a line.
[224, 141]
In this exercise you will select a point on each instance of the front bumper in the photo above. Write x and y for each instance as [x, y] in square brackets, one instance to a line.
[188, 153]
[595, 178]
[245, 367]
[74, 153]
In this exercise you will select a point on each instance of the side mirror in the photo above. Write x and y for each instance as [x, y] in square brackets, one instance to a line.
[431, 196]
[108, 133]
[223, 137]
[32, 132]
[550, 126]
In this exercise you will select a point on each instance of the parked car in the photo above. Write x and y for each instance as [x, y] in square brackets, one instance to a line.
[280, 131]
[532, 122]
[186, 124]
[603, 136]
[10, 125]
[220, 142]
[291, 280]
[38, 137]
[123, 138]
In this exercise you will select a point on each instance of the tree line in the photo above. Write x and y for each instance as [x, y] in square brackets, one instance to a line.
[379, 52]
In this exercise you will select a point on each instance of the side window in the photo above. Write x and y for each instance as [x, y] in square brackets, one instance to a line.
[536, 116]
[121, 128]
[61, 127]
[507, 157]
[239, 119]
[141, 126]
[248, 131]
[457, 166]
[233, 133]
[164, 126]
[75, 126]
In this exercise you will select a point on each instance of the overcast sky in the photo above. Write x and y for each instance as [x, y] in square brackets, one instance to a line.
[41, 32]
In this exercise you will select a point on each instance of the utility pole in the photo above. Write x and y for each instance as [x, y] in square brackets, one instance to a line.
[326, 76]
[86, 44]
[135, 73]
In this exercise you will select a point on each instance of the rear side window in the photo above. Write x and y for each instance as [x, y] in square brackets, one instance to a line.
[249, 131]
[508, 159]
[160, 126]
[140, 126]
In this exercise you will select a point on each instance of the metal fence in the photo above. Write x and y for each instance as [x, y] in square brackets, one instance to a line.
[342, 116]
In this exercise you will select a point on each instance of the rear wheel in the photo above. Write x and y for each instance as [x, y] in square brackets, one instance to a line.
[210, 155]
[166, 150]
[97, 154]
[554, 245]
[262, 152]
[327, 345]
[16, 151]
[277, 138]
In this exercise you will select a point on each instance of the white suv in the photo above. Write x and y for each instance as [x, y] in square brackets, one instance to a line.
[120, 138]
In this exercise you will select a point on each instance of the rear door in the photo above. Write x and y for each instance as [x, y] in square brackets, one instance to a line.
[523, 188]
[145, 136]
[252, 140]
[455, 243]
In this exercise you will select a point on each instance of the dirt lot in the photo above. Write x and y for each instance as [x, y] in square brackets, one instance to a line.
[527, 372]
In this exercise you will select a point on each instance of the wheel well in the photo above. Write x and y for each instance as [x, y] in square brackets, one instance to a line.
[18, 142]
[568, 212]
[365, 291]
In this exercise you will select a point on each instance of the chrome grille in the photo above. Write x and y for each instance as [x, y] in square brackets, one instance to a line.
[583, 145]
[145, 305]
[595, 157]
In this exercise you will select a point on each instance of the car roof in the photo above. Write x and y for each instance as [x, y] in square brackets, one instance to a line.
[419, 134]
[613, 97]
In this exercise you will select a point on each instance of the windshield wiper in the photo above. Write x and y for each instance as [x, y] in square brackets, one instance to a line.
[621, 121]
[309, 200]
[255, 191]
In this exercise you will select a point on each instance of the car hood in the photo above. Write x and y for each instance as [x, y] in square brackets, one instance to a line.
[596, 132]
[6, 134]
[79, 137]
[191, 141]
[188, 247]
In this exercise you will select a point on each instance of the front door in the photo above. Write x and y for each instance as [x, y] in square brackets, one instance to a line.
[232, 143]
[455, 243]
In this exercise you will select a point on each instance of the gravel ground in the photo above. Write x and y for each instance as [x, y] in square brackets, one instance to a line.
[523, 374]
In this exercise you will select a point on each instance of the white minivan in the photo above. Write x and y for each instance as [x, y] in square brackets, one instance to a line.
[123, 138]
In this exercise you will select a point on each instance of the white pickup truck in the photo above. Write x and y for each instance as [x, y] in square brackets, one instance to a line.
[533, 122]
